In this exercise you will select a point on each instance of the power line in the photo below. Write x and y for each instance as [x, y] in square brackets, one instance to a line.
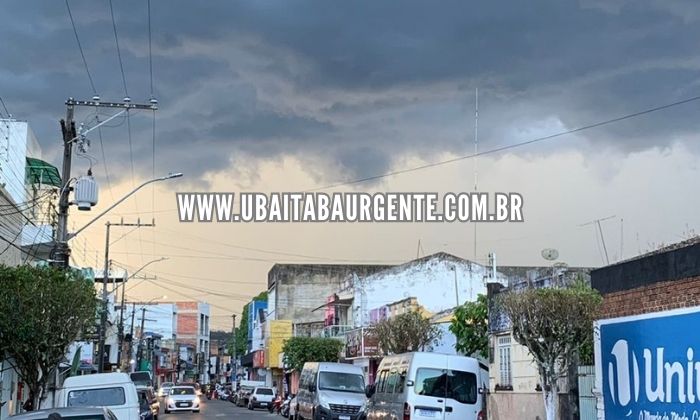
[80, 47]
[119, 53]
[510, 146]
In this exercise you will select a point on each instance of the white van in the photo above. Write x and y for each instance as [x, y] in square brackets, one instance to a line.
[331, 391]
[434, 386]
[115, 391]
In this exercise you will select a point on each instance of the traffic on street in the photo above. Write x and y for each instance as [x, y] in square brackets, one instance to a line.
[217, 409]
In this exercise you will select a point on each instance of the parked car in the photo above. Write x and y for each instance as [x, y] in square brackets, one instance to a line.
[261, 397]
[331, 390]
[148, 398]
[245, 388]
[115, 391]
[69, 413]
[182, 398]
[164, 389]
[428, 386]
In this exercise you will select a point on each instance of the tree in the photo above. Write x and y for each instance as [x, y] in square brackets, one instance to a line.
[470, 327]
[406, 332]
[42, 310]
[554, 324]
[299, 350]
[242, 330]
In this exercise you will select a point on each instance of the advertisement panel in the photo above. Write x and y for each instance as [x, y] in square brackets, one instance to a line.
[648, 366]
[361, 343]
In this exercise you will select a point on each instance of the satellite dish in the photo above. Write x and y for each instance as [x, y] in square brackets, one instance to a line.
[550, 254]
[262, 372]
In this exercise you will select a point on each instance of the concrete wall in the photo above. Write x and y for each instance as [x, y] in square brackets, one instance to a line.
[430, 279]
[300, 288]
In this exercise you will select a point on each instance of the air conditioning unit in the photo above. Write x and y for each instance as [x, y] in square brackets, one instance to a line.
[85, 192]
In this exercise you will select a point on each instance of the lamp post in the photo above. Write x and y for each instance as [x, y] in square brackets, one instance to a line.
[103, 317]
[123, 303]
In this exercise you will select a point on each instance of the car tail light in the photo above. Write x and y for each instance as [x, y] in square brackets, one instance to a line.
[480, 416]
[406, 411]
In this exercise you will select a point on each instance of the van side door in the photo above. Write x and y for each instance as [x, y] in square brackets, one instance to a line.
[427, 396]
[463, 399]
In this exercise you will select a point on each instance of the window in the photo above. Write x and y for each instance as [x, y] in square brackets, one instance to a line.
[453, 384]
[504, 362]
[264, 391]
[96, 397]
[185, 390]
[402, 381]
[381, 383]
[392, 381]
[339, 381]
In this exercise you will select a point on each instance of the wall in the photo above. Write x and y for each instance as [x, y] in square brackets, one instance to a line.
[300, 288]
[430, 279]
[276, 332]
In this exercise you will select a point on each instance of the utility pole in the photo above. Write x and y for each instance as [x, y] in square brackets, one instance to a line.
[61, 251]
[131, 342]
[121, 317]
[139, 348]
[105, 279]
[234, 371]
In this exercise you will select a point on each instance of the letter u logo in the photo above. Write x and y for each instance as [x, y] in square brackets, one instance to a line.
[620, 370]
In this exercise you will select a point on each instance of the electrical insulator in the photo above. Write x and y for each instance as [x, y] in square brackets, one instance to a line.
[85, 192]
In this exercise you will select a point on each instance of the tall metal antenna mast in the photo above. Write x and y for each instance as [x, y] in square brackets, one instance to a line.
[476, 151]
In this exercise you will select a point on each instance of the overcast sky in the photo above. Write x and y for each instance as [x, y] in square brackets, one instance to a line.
[270, 96]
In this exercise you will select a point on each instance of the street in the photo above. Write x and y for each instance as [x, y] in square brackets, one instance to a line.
[216, 409]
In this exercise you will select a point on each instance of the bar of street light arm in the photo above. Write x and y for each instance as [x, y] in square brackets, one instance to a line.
[169, 176]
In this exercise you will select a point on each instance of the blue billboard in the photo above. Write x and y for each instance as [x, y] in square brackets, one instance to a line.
[648, 366]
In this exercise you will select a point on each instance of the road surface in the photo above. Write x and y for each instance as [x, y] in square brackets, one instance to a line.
[220, 410]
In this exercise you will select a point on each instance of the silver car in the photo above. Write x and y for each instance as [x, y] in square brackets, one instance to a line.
[182, 398]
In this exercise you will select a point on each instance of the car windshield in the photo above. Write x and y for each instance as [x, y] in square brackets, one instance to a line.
[182, 391]
[453, 384]
[96, 397]
[339, 381]
[167, 385]
[264, 391]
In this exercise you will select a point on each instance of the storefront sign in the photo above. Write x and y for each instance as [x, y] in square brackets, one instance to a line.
[648, 366]
[361, 343]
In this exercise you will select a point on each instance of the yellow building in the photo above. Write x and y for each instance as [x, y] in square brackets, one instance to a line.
[275, 333]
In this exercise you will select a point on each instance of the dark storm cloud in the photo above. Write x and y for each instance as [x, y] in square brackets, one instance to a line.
[357, 83]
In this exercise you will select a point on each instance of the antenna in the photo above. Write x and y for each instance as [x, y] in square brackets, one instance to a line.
[476, 151]
[600, 230]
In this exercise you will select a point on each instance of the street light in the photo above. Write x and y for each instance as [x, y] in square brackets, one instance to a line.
[163, 178]
[103, 318]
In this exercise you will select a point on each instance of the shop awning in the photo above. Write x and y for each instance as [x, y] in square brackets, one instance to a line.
[40, 172]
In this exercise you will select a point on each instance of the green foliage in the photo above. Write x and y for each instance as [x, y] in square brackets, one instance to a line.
[406, 332]
[299, 350]
[242, 330]
[470, 327]
[42, 310]
[555, 325]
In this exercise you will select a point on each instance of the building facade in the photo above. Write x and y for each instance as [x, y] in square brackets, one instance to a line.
[646, 345]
